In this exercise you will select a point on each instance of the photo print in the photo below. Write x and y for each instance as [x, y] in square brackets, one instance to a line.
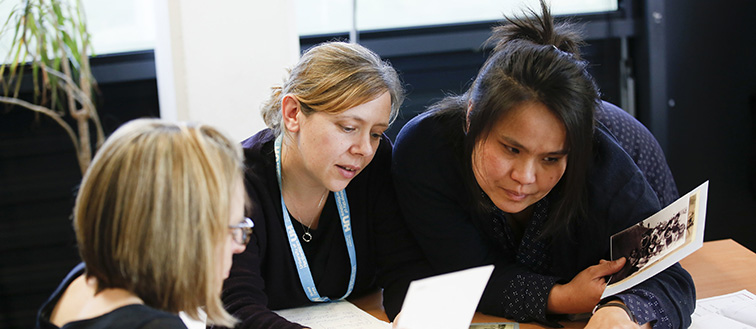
[659, 241]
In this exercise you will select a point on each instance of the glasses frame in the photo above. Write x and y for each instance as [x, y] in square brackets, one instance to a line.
[245, 231]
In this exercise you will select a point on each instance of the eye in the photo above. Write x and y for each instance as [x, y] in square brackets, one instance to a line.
[510, 149]
[347, 129]
[376, 135]
[551, 160]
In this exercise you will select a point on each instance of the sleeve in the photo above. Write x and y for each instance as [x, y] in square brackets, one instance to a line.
[518, 294]
[244, 291]
[429, 189]
[398, 256]
[668, 298]
[641, 145]
[429, 199]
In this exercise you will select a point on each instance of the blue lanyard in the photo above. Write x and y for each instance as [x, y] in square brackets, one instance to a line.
[305, 276]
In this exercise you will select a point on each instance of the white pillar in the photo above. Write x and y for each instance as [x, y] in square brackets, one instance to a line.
[216, 60]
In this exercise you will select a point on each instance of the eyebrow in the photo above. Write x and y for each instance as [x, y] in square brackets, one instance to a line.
[522, 147]
[361, 120]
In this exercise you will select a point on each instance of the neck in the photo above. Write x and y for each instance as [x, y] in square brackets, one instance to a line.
[524, 216]
[114, 297]
[303, 194]
[296, 180]
[79, 301]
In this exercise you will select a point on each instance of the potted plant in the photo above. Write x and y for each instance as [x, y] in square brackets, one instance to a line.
[51, 45]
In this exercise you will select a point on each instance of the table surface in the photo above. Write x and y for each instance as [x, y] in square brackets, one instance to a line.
[719, 267]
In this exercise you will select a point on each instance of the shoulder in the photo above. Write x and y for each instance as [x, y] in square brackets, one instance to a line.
[163, 320]
[258, 157]
[131, 317]
[617, 188]
[432, 123]
[642, 147]
[43, 315]
[431, 136]
[609, 156]
[145, 317]
[255, 143]
[628, 131]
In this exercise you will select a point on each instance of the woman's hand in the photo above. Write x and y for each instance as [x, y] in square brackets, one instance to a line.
[613, 318]
[584, 291]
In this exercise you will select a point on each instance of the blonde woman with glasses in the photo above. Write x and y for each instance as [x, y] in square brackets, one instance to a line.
[158, 217]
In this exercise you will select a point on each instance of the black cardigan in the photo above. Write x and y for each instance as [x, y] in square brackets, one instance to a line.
[264, 276]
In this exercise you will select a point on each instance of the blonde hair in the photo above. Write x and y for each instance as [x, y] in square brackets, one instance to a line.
[334, 77]
[152, 211]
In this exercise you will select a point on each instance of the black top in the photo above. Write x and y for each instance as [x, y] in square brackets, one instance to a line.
[428, 173]
[264, 276]
[642, 147]
[126, 317]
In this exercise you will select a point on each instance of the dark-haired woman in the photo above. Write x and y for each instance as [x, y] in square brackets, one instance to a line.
[517, 173]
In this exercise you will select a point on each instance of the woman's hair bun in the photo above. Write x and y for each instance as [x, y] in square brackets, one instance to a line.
[538, 29]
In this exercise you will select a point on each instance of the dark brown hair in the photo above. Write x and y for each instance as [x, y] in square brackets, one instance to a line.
[534, 59]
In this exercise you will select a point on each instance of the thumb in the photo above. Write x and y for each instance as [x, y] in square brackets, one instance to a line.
[610, 267]
[618, 263]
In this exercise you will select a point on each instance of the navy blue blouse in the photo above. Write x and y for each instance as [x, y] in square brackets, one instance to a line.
[643, 148]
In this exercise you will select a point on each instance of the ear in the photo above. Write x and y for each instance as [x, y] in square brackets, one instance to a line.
[467, 116]
[290, 111]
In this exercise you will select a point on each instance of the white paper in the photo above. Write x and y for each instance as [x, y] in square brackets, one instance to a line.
[194, 323]
[334, 315]
[688, 211]
[736, 310]
[446, 301]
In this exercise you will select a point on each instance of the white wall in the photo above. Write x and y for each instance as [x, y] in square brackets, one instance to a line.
[216, 60]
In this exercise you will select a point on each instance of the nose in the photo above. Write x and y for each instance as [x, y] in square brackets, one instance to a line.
[524, 172]
[238, 248]
[363, 146]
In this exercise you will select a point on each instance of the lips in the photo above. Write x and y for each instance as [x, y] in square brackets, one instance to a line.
[514, 196]
[347, 171]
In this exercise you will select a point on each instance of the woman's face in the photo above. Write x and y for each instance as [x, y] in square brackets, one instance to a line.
[522, 158]
[230, 246]
[336, 147]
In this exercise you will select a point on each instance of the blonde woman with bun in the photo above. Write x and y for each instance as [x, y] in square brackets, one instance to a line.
[328, 226]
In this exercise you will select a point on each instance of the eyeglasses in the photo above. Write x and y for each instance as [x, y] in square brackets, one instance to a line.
[241, 232]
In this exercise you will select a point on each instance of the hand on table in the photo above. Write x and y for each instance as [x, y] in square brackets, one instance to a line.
[584, 291]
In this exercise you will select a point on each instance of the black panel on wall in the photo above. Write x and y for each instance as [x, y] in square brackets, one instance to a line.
[39, 175]
[712, 86]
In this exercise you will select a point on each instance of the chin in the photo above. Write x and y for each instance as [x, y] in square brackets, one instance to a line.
[338, 185]
[511, 207]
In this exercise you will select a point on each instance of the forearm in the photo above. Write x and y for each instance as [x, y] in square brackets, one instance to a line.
[517, 294]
